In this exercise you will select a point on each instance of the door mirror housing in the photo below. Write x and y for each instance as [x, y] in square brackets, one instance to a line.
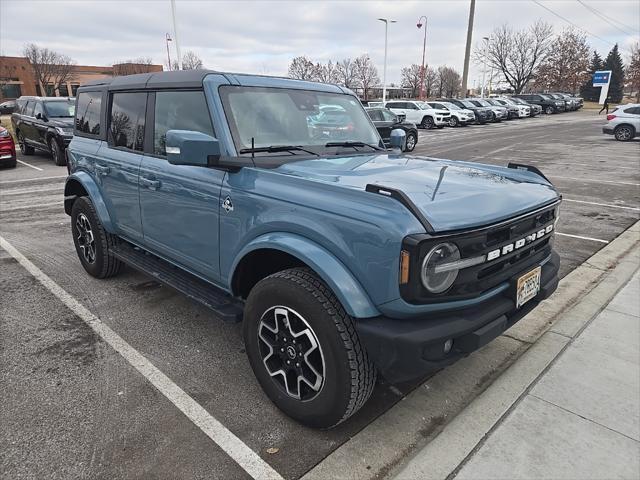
[398, 137]
[187, 147]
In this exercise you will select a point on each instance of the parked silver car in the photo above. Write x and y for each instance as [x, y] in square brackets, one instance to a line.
[624, 122]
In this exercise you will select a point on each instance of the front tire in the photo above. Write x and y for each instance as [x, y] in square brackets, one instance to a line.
[56, 152]
[304, 349]
[93, 243]
[453, 121]
[624, 133]
[549, 110]
[427, 123]
[410, 142]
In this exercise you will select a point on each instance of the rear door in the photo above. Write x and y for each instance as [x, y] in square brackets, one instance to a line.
[39, 130]
[117, 163]
[180, 204]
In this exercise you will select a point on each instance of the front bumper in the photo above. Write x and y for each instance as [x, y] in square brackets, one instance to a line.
[406, 349]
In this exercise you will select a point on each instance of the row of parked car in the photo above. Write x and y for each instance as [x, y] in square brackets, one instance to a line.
[408, 115]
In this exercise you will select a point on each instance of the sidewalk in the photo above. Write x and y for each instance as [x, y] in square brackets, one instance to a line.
[578, 418]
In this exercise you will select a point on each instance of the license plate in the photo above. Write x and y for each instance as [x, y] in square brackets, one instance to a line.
[528, 286]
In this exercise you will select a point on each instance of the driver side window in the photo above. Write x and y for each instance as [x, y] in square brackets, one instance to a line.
[389, 116]
[38, 109]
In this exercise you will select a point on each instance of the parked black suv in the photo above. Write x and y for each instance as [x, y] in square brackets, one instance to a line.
[45, 123]
[483, 114]
[549, 105]
[386, 121]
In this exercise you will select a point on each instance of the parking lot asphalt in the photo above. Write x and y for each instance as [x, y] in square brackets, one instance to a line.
[73, 407]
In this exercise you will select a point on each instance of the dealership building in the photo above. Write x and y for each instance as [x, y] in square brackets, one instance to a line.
[17, 77]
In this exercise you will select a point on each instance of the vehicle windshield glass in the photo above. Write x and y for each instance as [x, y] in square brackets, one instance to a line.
[451, 106]
[483, 103]
[290, 117]
[468, 104]
[496, 103]
[60, 108]
[546, 96]
[423, 105]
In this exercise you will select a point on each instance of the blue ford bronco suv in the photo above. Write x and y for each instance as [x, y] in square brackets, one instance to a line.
[342, 259]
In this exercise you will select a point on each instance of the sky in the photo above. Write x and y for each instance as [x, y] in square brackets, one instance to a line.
[263, 36]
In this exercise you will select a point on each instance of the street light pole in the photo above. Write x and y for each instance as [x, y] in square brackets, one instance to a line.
[467, 52]
[484, 68]
[384, 69]
[168, 39]
[424, 48]
[175, 33]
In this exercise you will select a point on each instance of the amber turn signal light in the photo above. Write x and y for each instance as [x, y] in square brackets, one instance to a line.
[404, 267]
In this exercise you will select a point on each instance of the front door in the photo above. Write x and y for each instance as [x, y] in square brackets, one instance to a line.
[180, 204]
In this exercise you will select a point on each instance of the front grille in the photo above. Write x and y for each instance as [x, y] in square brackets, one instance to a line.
[474, 281]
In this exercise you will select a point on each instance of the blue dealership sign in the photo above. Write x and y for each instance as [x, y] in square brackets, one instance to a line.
[601, 78]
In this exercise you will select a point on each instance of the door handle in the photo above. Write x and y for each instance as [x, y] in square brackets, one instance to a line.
[103, 170]
[149, 183]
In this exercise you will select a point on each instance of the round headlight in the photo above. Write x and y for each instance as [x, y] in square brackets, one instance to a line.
[439, 281]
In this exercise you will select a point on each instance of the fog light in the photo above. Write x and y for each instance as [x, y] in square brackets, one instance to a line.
[447, 345]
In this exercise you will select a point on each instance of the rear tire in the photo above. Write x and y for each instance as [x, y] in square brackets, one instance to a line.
[624, 133]
[24, 148]
[93, 243]
[319, 386]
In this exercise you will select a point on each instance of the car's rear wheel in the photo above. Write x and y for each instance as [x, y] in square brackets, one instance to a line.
[410, 142]
[427, 123]
[624, 133]
[93, 243]
[24, 148]
[304, 349]
[56, 152]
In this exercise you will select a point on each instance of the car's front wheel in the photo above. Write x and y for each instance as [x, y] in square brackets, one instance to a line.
[427, 123]
[549, 110]
[453, 121]
[304, 349]
[624, 133]
[56, 152]
[410, 142]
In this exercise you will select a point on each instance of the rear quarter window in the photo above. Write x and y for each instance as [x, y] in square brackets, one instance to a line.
[88, 114]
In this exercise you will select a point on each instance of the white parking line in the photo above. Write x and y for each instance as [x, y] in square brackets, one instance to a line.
[597, 180]
[246, 458]
[608, 205]
[27, 207]
[582, 238]
[29, 165]
[6, 182]
[23, 191]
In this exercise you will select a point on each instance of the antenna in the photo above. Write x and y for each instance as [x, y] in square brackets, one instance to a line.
[253, 153]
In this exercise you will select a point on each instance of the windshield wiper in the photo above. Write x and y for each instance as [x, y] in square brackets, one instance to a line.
[278, 148]
[352, 144]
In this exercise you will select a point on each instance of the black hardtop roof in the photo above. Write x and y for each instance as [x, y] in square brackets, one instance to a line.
[181, 78]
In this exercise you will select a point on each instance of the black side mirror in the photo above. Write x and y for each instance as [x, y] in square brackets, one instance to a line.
[38, 116]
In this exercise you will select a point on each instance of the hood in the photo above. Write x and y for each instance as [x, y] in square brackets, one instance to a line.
[61, 122]
[452, 195]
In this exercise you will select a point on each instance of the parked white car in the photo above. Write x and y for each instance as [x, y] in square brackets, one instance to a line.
[624, 122]
[459, 116]
[420, 113]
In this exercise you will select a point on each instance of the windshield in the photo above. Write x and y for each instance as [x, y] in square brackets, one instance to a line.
[468, 104]
[423, 105]
[283, 117]
[60, 108]
[482, 103]
[451, 106]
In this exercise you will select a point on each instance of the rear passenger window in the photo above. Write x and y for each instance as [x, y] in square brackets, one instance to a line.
[38, 109]
[28, 109]
[88, 113]
[179, 111]
[126, 122]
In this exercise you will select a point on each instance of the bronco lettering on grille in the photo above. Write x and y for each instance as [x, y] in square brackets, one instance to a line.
[510, 247]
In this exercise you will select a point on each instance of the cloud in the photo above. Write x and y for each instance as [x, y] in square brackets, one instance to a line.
[263, 36]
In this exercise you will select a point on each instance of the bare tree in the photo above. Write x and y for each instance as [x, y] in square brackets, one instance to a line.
[51, 69]
[327, 73]
[448, 81]
[346, 72]
[431, 81]
[366, 74]
[303, 69]
[517, 53]
[411, 77]
[191, 61]
[132, 66]
[567, 66]
[633, 70]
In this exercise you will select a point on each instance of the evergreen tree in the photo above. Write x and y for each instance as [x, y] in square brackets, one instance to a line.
[614, 63]
[588, 91]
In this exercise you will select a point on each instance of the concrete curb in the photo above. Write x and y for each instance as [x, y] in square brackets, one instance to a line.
[476, 405]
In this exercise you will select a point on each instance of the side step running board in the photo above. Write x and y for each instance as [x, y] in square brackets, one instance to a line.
[224, 305]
